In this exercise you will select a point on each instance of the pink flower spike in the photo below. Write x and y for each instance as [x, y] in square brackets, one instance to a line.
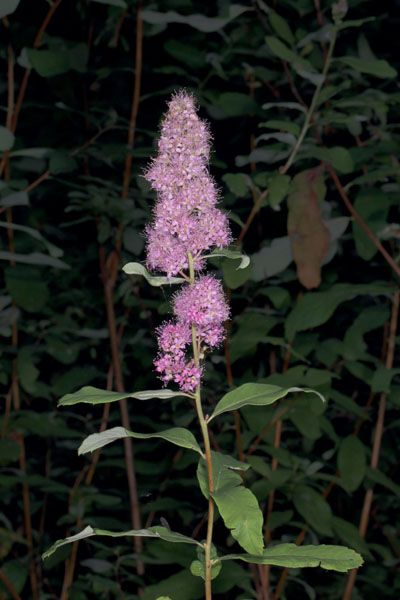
[202, 303]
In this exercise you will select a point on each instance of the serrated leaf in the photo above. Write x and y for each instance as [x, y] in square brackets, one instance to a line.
[177, 435]
[154, 280]
[352, 462]
[154, 532]
[254, 394]
[92, 395]
[333, 558]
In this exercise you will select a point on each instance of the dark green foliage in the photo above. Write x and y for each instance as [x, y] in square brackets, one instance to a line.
[254, 68]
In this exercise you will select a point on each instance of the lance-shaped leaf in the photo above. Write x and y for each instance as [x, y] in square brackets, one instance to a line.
[155, 280]
[232, 254]
[154, 532]
[92, 395]
[255, 394]
[332, 558]
[236, 504]
[177, 435]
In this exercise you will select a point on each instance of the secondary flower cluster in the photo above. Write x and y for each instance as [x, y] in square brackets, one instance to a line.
[203, 306]
[186, 215]
[187, 220]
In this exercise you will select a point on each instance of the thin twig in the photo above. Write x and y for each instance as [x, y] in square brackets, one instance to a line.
[359, 220]
[310, 111]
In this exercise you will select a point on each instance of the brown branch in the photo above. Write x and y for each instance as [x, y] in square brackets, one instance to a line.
[9, 586]
[36, 43]
[366, 510]
[250, 218]
[115, 38]
[359, 220]
[135, 101]
[108, 278]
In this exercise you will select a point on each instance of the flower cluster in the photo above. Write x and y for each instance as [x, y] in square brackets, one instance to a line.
[186, 215]
[187, 220]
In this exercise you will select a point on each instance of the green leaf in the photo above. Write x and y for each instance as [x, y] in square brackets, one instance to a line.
[352, 462]
[241, 514]
[177, 435]
[373, 207]
[184, 53]
[7, 7]
[61, 163]
[378, 68]
[225, 470]
[48, 63]
[200, 22]
[233, 255]
[283, 52]
[15, 199]
[379, 477]
[315, 308]
[155, 280]
[382, 379]
[278, 187]
[234, 104]
[120, 3]
[9, 451]
[271, 260]
[27, 288]
[339, 157]
[285, 125]
[34, 258]
[237, 184]
[15, 572]
[253, 329]
[314, 509]
[234, 274]
[288, 105]
[6, 138]
[281, 27]
[349, 534]
[237, 505]
[154, 532]
[254, 394]
[333, 558]
[92, 395]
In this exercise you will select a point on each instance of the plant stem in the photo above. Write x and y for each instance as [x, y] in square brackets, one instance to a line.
[306, 124]
[206, 439]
